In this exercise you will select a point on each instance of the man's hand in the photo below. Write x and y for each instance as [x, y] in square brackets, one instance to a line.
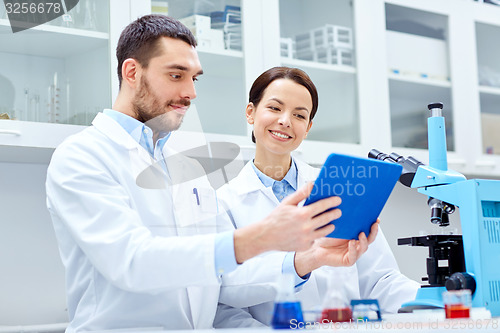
[334, 252]
[289, 227]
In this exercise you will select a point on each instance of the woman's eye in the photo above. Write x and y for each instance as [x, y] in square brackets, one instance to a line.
[274, 108]
[195, 79]
[300, 116]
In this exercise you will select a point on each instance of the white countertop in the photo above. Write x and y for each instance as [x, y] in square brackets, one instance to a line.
[421, 322]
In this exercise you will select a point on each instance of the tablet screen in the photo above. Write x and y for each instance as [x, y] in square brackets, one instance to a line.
[364, 186]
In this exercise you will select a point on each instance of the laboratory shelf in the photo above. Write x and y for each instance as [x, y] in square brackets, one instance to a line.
[310, 65]
[419, 80]
[46, 40]
[324, 73]
[487, 165]
[32, 142]
[490, 100]
[408, 102]
[227, 63]
[337, 117]
[417, 95]
[489, 90]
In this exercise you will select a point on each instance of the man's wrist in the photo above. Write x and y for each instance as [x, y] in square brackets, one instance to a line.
[249, 242]
[304, 262]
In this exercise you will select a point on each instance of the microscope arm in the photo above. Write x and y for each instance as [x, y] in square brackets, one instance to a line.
[429, 176]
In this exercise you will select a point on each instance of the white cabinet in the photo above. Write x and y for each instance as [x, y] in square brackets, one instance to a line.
[487, 28]
[322, 35]
[55, 77]
[376, 63]
[217, 25]
[409, 54]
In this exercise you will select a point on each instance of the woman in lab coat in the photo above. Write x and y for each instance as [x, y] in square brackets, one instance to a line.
[282, 104]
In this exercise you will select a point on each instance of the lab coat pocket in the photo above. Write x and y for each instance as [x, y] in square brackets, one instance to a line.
[195, 208]
[207, 200]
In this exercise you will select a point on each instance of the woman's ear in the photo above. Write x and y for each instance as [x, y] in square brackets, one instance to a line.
[250, 111]
[308, 128]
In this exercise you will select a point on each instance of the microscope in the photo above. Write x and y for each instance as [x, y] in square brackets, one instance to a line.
[455, 262]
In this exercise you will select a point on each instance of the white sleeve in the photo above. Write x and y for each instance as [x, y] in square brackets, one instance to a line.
[380, 278]
[253, 282]
[95, 216]
[229, 317]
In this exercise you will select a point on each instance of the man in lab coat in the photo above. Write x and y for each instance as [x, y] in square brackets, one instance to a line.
[136, 235]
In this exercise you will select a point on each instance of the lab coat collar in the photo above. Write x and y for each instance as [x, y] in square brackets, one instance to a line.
[248, 181]
[305, 173]
[114, 131]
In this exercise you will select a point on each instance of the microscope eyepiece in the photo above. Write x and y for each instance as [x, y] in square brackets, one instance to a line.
[437, 105]
[376, 154]
[410, 164]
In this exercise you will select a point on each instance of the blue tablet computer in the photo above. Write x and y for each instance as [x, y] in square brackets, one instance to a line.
[364, 186]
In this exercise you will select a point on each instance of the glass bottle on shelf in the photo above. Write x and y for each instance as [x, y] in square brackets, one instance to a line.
[79, 57]
[89, 21]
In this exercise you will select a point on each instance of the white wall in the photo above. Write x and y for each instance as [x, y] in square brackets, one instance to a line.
[32, 278]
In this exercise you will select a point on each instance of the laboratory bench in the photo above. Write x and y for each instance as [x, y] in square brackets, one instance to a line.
[421, 321]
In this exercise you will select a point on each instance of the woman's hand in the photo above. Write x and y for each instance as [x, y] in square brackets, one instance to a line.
[334, 252]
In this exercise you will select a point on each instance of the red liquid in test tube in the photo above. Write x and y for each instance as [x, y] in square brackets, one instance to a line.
[336, 315]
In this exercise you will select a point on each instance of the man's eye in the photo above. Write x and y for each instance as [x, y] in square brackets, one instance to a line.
[175, 76]
[195, 79]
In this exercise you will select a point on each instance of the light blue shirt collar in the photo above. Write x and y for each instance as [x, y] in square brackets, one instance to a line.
[141, 133]
[290, 177]
[282, 188]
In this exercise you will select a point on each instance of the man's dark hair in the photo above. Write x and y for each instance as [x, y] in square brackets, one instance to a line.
[139, 40]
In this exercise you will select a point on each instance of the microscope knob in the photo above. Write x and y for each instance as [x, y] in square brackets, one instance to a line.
[458, 281]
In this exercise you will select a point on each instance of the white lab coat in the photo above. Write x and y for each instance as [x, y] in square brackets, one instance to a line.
[375, 275]
[123, 267]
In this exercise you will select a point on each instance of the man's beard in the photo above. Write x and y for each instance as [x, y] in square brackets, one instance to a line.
[155, 115]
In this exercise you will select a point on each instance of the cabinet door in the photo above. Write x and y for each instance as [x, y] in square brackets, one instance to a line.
[317, 36]
[488, 54]
[58, 71]
[217, 26]
[418, 70]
